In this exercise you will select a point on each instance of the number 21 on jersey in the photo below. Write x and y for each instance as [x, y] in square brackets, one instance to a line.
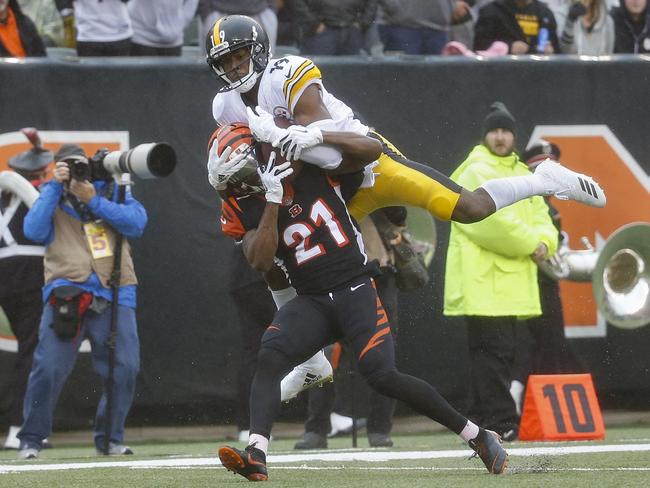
[298, 234]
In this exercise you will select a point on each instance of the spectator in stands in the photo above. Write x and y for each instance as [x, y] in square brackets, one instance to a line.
[47, 20]
[21, 268]
[463, 19]
[588, 30]
[263, 11]
[527, 26]
[103, 27]
[560, 9]
[78, 298]
[18, 35]
[158, 27]
[331, 26]
[632, 26]
[286, 28]
[491, 274]
[418, 26]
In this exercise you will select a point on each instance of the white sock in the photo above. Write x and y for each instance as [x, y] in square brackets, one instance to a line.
[280, 297]
[469, 432]
[506, 191]
[259, 442]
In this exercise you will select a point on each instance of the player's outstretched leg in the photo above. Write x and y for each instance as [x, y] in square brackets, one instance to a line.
[400, 181]
[249, 463]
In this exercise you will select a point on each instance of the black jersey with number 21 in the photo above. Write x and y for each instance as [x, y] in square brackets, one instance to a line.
[319, 246]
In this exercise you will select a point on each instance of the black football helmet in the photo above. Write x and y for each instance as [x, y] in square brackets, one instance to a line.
[228, 34]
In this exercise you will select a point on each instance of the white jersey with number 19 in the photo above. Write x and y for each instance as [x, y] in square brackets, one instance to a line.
[283, 82]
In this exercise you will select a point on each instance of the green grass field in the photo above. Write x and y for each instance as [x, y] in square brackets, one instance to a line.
[626, 463]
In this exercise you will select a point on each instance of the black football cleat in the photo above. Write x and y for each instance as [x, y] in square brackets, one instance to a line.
[250, 463]
[487, 446]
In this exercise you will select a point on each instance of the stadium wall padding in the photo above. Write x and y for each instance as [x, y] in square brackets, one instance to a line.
[431, 108]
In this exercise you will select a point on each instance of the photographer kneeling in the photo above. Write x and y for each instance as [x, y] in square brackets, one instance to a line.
[78, 221]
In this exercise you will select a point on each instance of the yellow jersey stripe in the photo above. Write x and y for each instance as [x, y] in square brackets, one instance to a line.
[295, 75]
[310, 74]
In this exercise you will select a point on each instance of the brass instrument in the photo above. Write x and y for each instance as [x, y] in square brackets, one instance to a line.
[619, 274]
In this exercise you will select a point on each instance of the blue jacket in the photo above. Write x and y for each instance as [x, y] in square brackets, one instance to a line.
[129, 219]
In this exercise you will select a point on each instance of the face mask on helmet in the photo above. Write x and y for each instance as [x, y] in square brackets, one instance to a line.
[246, 180]
[230, 78]
[233, 41]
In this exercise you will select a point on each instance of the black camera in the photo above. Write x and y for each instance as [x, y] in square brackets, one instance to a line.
[150, 160]
[79, 169]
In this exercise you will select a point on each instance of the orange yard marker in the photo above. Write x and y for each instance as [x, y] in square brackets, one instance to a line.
[561, 407]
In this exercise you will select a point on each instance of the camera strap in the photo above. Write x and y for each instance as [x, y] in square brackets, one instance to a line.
[85, 215]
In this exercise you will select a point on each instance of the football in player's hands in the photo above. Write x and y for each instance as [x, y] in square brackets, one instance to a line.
[265, 149]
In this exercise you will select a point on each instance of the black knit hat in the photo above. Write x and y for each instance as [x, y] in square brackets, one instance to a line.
[540, 151]
[499, 118]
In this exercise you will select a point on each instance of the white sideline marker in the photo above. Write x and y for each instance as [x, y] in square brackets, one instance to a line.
[368, 456]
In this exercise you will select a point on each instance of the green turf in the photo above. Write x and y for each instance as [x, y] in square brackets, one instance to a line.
[593, 470]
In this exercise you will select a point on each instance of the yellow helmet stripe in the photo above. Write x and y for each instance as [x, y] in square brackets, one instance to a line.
[216, 38]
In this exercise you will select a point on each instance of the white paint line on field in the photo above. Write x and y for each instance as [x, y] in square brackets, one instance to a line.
[368, 456]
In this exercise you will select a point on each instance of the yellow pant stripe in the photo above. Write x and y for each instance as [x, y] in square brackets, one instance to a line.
[396, 184]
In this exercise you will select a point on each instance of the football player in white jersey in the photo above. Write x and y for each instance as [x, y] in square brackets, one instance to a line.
[254, 88]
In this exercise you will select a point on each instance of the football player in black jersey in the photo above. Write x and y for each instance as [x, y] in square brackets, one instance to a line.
[304, 225]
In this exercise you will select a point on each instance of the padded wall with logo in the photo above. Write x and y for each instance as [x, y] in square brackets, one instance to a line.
[430, 108]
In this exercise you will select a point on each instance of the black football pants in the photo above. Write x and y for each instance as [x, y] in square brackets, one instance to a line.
[354, 314]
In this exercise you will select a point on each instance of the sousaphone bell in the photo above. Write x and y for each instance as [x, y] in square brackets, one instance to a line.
[619, 273]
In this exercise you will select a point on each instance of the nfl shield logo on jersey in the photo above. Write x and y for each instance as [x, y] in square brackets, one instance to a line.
[295, 210]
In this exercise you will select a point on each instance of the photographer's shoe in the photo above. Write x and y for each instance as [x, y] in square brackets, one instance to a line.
[28, 453]
[313, 372]
[487, 446]
[569, 185]
[115, 450]
[249, 463]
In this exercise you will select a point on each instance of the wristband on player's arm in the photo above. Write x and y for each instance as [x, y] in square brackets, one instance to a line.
[280, 297]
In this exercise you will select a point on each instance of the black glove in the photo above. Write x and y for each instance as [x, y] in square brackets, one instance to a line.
[576, 10]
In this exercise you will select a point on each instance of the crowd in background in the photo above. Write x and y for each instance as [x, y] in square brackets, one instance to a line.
[329, 27]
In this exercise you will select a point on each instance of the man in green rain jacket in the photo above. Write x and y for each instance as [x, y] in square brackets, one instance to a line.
[491, 274]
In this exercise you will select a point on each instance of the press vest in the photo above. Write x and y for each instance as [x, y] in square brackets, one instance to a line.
[69, 255]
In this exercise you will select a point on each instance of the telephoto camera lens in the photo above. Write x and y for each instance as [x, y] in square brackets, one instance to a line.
[150, 160]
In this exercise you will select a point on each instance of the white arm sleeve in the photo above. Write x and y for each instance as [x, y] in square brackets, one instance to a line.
[280, 297]
[323, 156]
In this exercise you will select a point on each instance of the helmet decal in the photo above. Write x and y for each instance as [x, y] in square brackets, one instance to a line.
[229, 34]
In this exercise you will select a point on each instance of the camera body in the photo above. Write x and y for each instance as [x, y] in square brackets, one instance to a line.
[151, 160]
[82, 169]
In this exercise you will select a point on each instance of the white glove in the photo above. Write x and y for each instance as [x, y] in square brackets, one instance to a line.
[297, 139]
[272, 177]
[263, 126]
[220, 168]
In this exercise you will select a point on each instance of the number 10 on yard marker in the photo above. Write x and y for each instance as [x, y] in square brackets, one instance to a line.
[561, 407]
